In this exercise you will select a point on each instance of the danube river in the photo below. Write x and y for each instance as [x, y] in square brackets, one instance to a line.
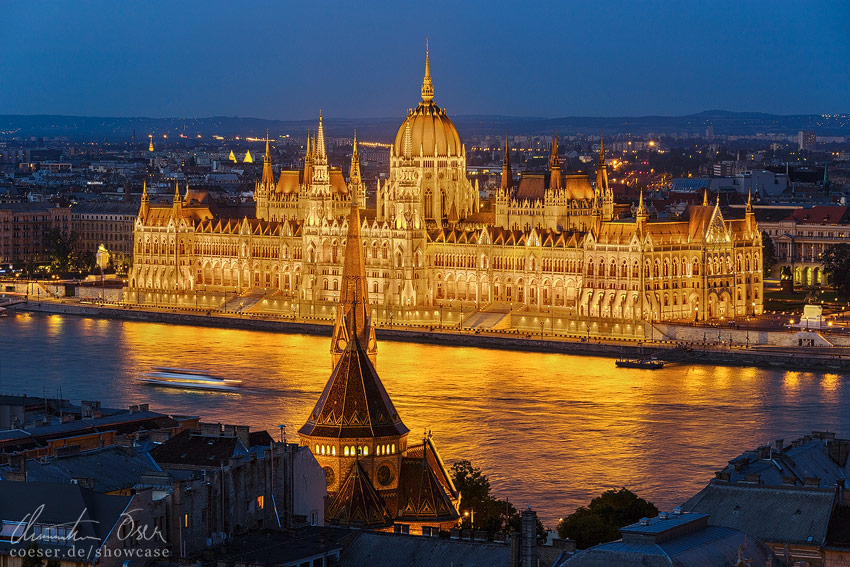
[550, 430]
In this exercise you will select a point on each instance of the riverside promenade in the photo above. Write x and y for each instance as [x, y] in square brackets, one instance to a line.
[820, 359]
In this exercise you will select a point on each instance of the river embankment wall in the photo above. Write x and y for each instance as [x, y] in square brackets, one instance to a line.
[799, 358]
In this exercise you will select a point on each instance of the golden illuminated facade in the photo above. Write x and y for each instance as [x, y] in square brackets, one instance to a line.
[551, 243]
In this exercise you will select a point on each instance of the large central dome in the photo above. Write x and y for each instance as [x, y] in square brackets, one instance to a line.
[431, 131]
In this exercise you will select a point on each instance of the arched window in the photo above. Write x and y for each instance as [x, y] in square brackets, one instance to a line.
[392, 449]
[365, 450]
[345, 451]
[333, 451]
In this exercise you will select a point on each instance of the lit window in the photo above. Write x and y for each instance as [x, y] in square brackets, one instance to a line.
[333, 451]
[345, 451]
[260, 502]
[392, 450]
[185, 520]
[365, 450]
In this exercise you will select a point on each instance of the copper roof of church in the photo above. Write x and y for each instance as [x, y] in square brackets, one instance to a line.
[354, 402]
[425, 489]
[358, 503]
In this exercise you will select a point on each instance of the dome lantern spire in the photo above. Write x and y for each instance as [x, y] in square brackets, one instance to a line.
[427, 86]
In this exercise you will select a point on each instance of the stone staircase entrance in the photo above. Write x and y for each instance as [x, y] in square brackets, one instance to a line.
[494, 316]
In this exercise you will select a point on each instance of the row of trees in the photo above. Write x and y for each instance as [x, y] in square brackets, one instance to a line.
[598, 522]
[66, 257]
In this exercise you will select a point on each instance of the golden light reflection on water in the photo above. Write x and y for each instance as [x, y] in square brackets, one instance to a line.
[550, 430]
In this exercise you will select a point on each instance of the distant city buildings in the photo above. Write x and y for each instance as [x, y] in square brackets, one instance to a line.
[24, 229]
[806, 140]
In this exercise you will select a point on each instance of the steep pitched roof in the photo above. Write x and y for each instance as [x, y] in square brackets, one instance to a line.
[423, 493]
[288, 182]
[377, 549]
[112, 468]
[532, 186]
[354, 402]
[190, 449]
[773, 514]
[358, 503]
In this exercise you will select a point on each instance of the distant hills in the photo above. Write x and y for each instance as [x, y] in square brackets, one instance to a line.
[118, 129]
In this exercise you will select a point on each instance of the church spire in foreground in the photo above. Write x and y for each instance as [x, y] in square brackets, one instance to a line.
[353, 319]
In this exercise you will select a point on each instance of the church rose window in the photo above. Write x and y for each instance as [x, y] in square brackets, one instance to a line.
[385, 475]
[329, 475]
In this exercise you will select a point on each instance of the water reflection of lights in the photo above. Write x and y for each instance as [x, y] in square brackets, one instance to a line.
[550, 430]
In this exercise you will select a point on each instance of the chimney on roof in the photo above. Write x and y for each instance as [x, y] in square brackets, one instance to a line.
[528, 542]
[243, 433]
[779, 445]
[838, 450]
[19, 468]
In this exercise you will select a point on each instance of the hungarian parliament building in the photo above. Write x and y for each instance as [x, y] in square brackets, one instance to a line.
[548, 243]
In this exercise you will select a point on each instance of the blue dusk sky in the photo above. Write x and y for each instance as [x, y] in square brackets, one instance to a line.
[285, 60]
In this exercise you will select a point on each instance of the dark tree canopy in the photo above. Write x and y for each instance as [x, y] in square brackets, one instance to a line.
[491, 514]
[601, 520]
[768, 253]
[836, 266]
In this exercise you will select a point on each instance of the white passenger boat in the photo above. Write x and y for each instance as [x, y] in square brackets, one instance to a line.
[193, 379]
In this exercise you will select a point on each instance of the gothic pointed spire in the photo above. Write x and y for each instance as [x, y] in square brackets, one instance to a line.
[641, 210]
[354, 173]
[268, 174]
[427, 86]
[602, 148]
[749, 201]
[319, 144]
[705, 197]
[507, 173]
[554, 160]
[145, 205]
[353, 317]
[177, 203]
[554, 165]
